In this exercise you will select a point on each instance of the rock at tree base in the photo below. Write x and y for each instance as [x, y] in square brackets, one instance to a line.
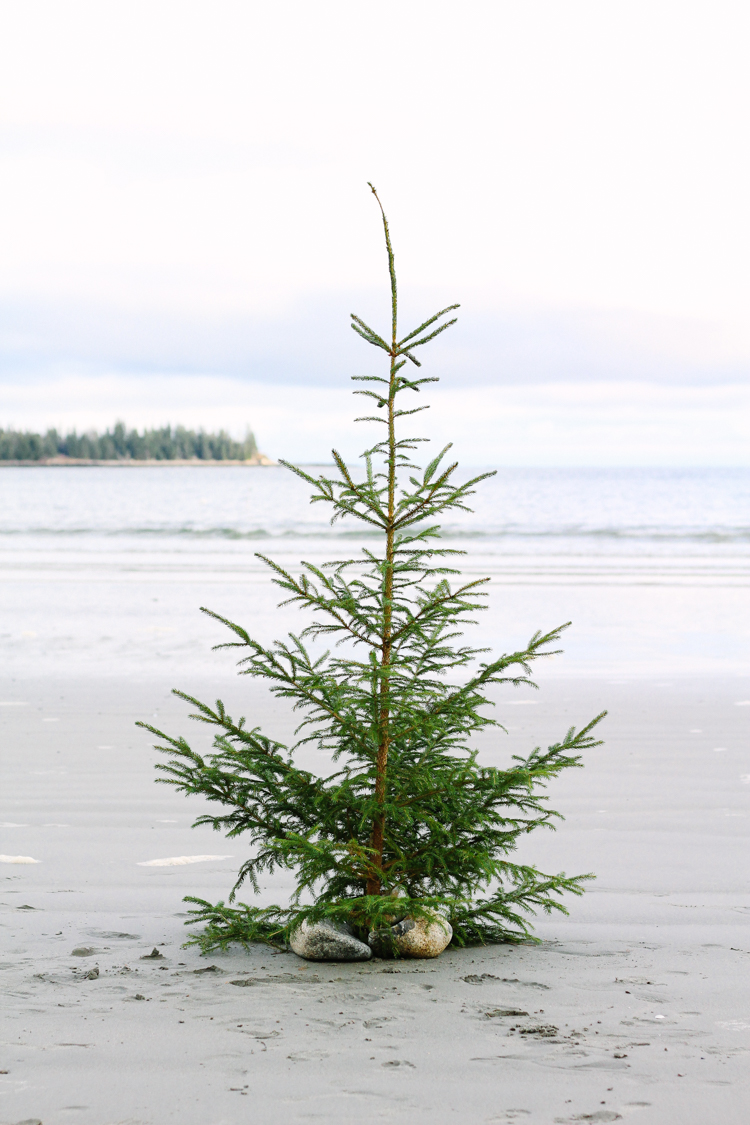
[328, 941]
[412, 938]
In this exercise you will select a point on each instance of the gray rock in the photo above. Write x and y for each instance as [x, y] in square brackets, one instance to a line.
[328, 941]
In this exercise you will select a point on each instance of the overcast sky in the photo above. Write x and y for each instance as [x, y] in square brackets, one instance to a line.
[186, 225]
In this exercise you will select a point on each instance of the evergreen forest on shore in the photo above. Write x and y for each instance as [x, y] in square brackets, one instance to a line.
[120, 444]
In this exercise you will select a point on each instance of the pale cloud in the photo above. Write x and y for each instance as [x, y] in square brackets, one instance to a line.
[583, 153]
[183, 193]
[622, 423]
[308, 341]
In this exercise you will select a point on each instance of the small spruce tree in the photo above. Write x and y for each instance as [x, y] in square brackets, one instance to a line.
[410, 811]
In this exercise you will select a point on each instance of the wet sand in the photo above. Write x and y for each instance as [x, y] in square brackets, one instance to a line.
[636, 1007]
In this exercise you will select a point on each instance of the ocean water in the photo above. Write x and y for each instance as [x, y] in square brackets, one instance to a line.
[104, 569]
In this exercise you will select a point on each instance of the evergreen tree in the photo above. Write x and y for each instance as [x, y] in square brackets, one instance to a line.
[410, 811]
[162, 444]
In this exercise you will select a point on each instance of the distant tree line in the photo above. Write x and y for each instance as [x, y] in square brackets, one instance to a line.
[120, 444]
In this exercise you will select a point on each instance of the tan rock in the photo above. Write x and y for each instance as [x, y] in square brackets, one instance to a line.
[423, 937]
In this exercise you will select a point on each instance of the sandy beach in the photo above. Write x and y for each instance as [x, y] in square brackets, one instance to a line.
[242, 226]
[637, 1006]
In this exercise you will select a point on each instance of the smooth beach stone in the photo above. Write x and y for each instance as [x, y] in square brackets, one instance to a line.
[411, 937]
[328, 941]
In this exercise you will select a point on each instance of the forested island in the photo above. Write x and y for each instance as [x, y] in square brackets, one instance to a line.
[120, 445]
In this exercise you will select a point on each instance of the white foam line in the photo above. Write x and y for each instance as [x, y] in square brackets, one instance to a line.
[10, 824]
[18, 859]
[179, 860]
[743, 703]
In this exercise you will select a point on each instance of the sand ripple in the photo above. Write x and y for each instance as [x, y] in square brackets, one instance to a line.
[175, 860]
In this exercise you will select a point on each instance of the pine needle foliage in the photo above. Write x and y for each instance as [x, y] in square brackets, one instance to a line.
[410, 811]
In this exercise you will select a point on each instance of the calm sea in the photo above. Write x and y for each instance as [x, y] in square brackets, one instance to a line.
[104, 569]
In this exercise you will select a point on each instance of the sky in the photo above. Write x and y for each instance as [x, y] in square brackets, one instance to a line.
[185, 222]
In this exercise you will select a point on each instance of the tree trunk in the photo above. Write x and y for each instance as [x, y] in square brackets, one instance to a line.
[374, 882]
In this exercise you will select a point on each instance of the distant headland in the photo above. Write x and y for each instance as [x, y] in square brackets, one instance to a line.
[165, 446]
